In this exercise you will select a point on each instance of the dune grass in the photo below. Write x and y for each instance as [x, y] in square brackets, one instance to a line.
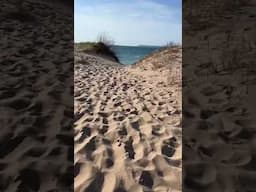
[85, 45]
[98, 48]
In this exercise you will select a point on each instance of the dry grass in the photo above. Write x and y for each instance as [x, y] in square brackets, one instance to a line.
[98, 48]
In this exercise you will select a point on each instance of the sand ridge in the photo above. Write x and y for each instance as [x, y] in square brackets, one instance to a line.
[127, 128]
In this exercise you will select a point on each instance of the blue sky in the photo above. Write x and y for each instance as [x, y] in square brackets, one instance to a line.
[129, 22]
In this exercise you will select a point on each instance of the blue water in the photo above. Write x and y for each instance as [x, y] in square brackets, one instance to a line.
[131, 54]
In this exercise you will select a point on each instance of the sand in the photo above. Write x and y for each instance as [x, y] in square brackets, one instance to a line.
[218, 105]
[36, 105]
[127, 128]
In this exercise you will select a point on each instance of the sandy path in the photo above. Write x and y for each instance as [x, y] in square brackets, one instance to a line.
[127, 129]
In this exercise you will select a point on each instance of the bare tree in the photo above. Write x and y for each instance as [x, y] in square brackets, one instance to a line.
[172, 44]
[104, 38]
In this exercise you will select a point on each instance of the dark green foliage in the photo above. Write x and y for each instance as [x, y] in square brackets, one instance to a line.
[103, 49]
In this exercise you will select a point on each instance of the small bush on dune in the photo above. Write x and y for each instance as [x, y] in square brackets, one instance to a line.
[104, 49]
[171, 44]
[101, 47]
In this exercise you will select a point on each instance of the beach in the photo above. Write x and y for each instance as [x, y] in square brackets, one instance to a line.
[127, 126]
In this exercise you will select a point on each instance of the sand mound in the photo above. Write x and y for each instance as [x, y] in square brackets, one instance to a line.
[165, 61]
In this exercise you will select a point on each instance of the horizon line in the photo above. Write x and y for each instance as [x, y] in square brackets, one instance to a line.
[138, 45]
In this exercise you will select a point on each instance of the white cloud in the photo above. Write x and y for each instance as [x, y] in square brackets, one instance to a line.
[128, 22]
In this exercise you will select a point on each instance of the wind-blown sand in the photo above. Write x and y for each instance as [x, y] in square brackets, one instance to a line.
[127, 127]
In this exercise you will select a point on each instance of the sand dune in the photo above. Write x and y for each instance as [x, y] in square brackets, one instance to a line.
[127, 128]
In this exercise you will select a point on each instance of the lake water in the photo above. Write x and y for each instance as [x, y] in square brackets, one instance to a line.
[131, 54]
